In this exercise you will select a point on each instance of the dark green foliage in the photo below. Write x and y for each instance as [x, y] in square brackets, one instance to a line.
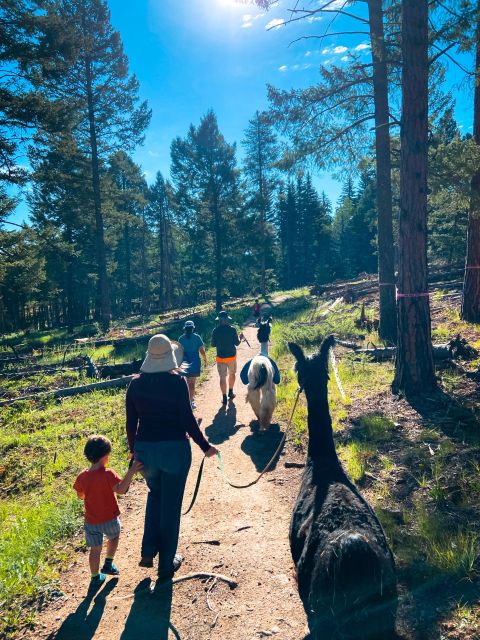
[304, 223]
[208, 210]
[354, 228]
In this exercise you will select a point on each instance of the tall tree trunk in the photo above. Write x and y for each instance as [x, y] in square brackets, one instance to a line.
[127, 304]
[161, 247]
[471, 283]
[168, 263]
[218, 255]
[386, 256]
[104, 310]
[70, 297]
[263, 212]
[144, 268]
[414, 372]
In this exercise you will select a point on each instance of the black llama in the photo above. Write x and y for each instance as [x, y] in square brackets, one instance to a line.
[345, 569]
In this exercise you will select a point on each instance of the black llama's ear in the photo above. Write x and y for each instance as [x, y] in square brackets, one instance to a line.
[296, 351]
[327, 344]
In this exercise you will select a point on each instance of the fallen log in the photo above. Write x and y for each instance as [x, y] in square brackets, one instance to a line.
[72, 391]
[118, 370]
[29, 373]
[440, 352]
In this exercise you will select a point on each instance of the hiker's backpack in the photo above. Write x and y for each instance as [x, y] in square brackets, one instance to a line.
[263, 333]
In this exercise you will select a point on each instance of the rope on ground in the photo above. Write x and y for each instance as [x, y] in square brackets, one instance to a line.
[272, 459]
[337, 375]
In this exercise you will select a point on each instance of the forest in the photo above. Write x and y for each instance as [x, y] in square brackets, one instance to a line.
[97, 254]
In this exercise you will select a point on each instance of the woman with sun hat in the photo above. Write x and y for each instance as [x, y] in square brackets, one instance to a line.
[159, 417]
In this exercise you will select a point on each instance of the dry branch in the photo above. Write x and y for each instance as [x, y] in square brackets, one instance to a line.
[72, 391]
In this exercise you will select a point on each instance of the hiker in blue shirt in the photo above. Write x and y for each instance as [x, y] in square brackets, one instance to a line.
[193, 347]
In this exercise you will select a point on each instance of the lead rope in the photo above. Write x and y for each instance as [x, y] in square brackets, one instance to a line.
[272, 459]
[337, 375]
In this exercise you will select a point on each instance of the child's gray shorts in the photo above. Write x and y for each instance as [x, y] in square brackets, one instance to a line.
[94, 532]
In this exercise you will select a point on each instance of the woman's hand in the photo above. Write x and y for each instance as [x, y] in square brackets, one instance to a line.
[211, 452]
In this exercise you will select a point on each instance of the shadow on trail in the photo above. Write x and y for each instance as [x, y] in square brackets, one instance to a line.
[224, 424]
[82, 624]
[149, 616]
[261, 445]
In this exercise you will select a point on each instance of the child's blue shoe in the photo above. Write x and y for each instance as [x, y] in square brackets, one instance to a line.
[110, 569]
[96, 582]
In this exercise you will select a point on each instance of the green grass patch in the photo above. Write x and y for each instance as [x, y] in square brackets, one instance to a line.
[355, 456]
[449, 550]
[375, 427]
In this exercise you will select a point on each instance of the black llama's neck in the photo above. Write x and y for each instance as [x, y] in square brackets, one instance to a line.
[320, 432]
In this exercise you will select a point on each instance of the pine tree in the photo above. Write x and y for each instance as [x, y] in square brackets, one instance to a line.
[471, 284]
[207, 196]
[61, 202]
[129, 197]
[261, 150]
[102, 101]
[159, 213]
[414, 371]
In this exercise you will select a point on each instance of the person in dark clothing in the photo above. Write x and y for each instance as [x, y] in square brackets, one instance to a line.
[226, 340]
[159, 417]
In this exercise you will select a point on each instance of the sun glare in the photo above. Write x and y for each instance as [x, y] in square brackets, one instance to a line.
[228, 3]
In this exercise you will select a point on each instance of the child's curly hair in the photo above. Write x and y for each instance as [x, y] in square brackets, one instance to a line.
[96, 448]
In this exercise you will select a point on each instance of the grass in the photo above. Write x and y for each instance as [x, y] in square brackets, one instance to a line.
[448, 549]
[355, 457]
[41, 448]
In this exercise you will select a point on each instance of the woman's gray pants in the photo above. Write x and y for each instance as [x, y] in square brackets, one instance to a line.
[166, 465]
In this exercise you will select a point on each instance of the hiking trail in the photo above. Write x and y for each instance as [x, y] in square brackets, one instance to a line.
[242, 534]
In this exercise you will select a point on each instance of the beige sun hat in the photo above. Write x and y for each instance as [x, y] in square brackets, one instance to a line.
[163, 354]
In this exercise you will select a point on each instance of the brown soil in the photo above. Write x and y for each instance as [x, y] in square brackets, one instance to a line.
[249, 528]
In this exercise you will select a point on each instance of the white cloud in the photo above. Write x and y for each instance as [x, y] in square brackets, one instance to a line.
[344, 58]
[333, 6]
[362, 47]
[247, 25]
[326, 51]
[314, 19]
[247, 17]
[308, 54]
[283, 67]
[339, 50]
[275, 23]
[153, 154]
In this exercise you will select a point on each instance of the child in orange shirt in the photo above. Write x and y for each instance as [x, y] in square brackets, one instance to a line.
[97, 487]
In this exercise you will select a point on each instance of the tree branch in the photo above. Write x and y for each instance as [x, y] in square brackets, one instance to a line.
[452, 59]
[325, 35]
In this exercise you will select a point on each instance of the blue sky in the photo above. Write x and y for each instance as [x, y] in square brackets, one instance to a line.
[193, 55]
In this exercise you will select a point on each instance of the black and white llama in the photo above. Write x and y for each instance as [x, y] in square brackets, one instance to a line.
[345, 569]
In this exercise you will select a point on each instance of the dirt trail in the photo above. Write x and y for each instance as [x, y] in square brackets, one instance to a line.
[250, 527]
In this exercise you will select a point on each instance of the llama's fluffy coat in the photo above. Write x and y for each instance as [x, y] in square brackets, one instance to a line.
[261, 392]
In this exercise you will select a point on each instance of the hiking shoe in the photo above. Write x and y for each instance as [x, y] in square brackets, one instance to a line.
[193, 404]
[177, 562]
[146, 562]
[224, 400]
[231, 395]
[110, 569]
[165, 576]
[96, 582]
